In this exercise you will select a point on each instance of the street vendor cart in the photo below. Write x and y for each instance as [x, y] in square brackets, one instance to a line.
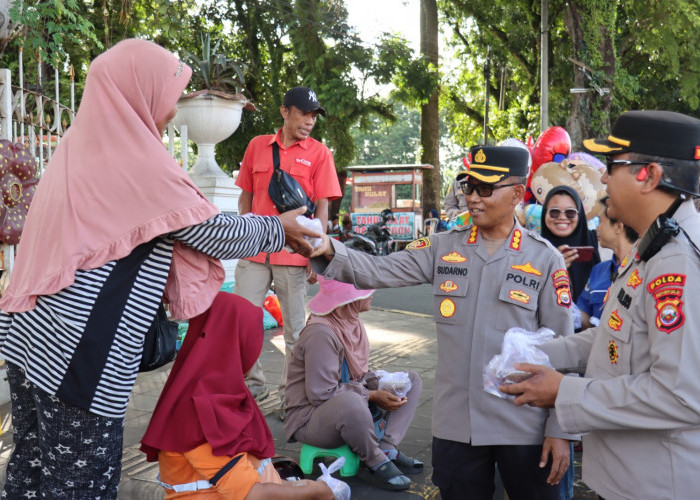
[398, 187]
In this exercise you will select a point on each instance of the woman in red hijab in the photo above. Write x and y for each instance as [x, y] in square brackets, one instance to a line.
[206, 419]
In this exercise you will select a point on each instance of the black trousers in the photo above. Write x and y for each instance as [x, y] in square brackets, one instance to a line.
[61, 451]
[462, 471]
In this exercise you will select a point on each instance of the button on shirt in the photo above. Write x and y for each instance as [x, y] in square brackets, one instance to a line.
[309, 162]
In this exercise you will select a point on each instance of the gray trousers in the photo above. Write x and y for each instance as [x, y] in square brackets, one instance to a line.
[346, 418]
[253, 280]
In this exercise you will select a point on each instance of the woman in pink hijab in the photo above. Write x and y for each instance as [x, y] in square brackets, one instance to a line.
[330, 389]
[115, 225]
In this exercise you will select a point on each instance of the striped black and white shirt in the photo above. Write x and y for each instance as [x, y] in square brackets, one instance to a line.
[84, 343]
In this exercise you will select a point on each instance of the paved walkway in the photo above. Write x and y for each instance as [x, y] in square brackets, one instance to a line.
[399, 341]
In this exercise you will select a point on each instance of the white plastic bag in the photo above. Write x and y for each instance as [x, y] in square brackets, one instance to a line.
[519, 346]
[397, 383]
[340, 489]
[314, 225]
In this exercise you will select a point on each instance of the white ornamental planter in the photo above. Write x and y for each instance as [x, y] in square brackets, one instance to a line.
[209, 119]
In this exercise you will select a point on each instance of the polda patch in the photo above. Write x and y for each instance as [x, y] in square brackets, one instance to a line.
[563, 295]
[418, 244]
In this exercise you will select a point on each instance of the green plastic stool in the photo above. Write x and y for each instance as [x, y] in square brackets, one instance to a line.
[309, 453]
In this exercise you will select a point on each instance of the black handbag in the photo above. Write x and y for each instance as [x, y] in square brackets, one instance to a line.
[286, 193]
[160, 343]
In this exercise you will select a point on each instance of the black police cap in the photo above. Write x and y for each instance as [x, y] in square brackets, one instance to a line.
[655, 133]
[491, 164]
[303, 98]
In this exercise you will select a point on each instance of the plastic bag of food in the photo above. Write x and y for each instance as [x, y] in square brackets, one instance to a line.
[519, 346]
[397, 383]
[340, 489]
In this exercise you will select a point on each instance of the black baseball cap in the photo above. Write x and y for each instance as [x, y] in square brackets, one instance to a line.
[655, 133]
[303, 98]
[491, 164]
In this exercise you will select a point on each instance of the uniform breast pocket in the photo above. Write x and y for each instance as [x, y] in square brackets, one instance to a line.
[517, 306]
[614, 349]
[301, 172]
[262, 172]
[449, 304]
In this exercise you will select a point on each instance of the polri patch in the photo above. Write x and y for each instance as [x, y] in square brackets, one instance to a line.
[454, 257]
[519, 296]
[418, 244]
[449, 286]
[527, 268]
[447, 308]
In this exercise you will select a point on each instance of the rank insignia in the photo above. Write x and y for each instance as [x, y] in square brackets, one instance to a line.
[473, 235]
[419, 243]
[447, 308]
[516, 240]
[634, 280]
[520, 296]
[449, 286]
[614, 321]
[526, 268]
[624, 262]
[454, 257]
[613, 352]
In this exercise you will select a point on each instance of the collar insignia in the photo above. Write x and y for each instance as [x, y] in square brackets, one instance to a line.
[473, 236]
[516, 239]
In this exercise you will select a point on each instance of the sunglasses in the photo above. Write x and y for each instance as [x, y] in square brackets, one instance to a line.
[483, 190]
[610, 164]
[569, 213]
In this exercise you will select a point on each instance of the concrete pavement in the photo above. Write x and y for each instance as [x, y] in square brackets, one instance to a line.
[399, 341]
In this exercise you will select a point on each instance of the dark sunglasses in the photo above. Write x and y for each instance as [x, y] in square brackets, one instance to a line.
[610, 164]
[569, 213]
[483, 190]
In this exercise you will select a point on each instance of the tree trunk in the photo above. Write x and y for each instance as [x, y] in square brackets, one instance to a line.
[429, 130]
[594, 52]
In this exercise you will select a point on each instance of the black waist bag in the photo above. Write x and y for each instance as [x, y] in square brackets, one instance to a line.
[160, 344]
[286, 193]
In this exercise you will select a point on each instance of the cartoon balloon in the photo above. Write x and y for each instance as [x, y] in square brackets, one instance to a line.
[585, 158]
[585, 179]
[554, 144]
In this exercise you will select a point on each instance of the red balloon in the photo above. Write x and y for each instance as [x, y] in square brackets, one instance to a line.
[553, 145]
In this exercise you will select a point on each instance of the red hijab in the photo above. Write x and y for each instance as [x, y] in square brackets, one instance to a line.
[205, 398]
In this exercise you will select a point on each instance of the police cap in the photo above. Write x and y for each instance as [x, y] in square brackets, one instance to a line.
[491, 164]
[655, 133]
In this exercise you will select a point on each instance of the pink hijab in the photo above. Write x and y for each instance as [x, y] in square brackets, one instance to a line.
[112, 185]
[338, 306]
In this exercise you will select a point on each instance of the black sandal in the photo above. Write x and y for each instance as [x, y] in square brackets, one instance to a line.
[381, 477]
[408, 465]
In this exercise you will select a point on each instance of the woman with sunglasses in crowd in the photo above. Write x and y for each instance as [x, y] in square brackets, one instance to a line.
[564, 225]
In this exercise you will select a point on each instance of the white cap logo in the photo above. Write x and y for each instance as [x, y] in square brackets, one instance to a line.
[312, 96]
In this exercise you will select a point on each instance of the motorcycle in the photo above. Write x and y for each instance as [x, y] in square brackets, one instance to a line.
[377, 238]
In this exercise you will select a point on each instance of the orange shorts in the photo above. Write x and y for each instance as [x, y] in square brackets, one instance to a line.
[201, 464]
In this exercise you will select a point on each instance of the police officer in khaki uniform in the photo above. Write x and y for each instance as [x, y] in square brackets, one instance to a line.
[486, 277]
[455, 202]
[639, 403]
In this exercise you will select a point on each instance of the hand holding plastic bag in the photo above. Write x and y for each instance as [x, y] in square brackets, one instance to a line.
[397, 383]
[340, 489]
[519, 346]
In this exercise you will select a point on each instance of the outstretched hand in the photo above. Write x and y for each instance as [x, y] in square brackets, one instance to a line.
[539, 390]
[325, 248]
[294, 232]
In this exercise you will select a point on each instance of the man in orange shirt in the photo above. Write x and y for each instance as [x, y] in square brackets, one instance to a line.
[311, 164]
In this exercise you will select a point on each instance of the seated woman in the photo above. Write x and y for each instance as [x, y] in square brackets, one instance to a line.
[329, 388]
[207, 424]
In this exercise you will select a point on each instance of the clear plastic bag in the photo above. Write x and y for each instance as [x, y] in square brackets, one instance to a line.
[340, 489]
[397, 383]
[519, 346]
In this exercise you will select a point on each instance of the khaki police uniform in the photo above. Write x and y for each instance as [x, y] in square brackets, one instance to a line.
[641, 391]
[476, 298]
